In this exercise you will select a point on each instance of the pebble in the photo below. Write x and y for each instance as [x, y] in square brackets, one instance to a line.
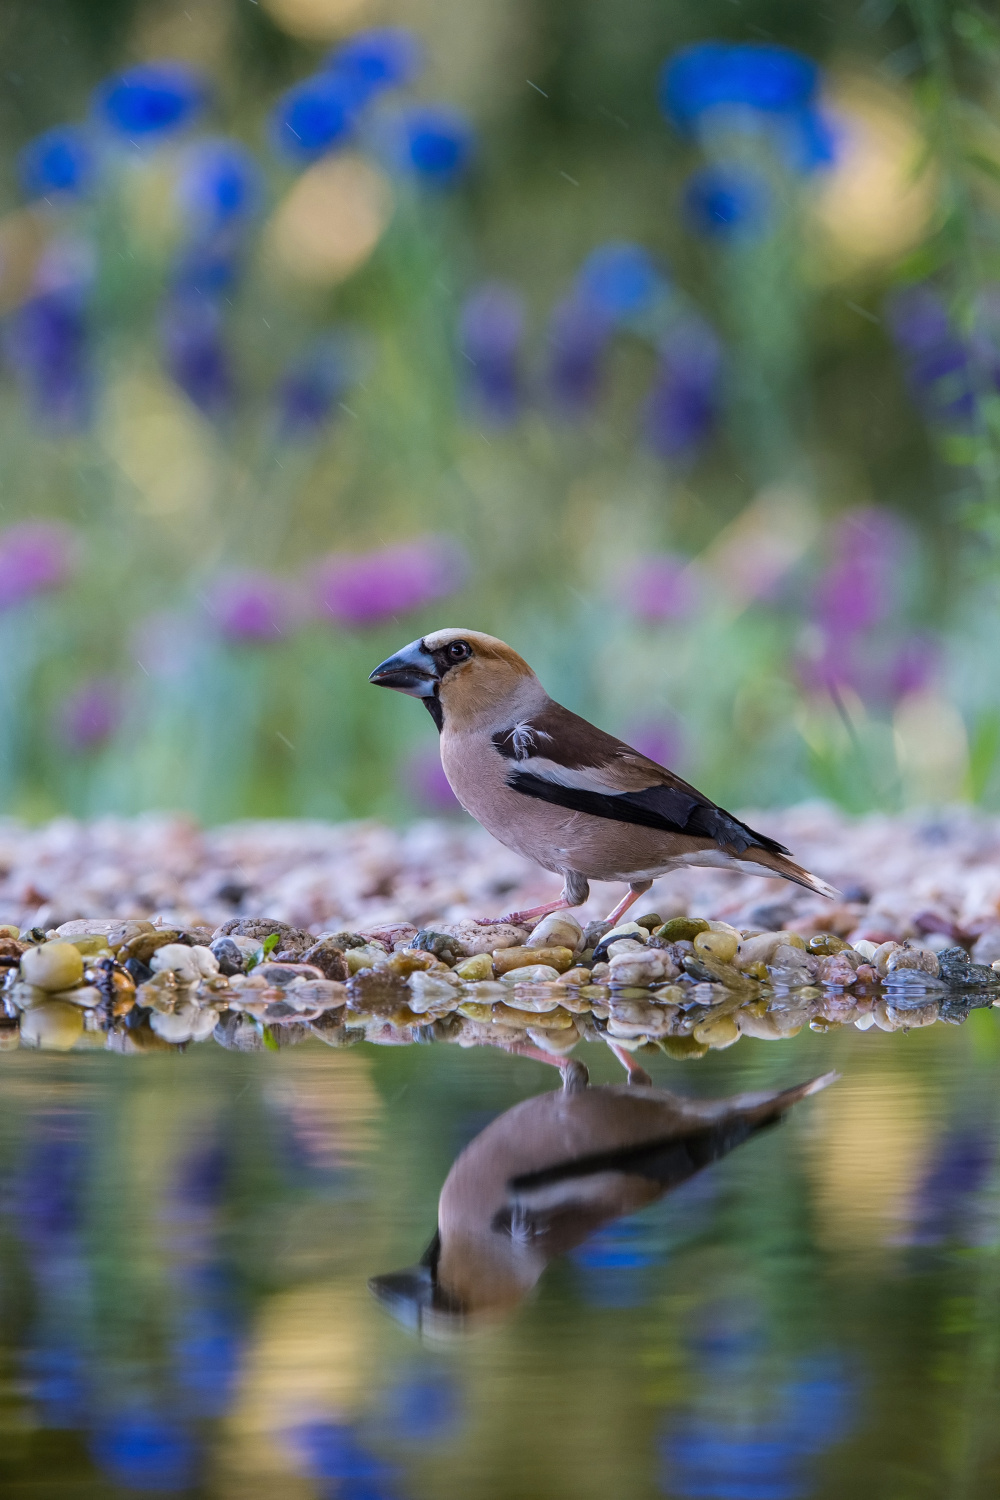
[326, 956]
[641, 966]
[475, 937]
[720, 945]
[188, 965]
[362, 958]
[558, 930]
[681, 927]
[759, 948]
[53, 1026]
[529, 974]
[506, 959]
[480, 966]
[920, 960]
[52, 966]
[228, 955]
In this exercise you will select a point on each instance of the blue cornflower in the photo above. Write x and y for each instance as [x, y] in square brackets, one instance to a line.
[315, 116]
[620, 279]
[60, 160]
[219, 185]
[771, 79]
[433, 142]
[728, 202]
[381, 58]
[151, 101]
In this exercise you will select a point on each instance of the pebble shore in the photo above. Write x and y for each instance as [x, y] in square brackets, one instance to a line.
[152, 934]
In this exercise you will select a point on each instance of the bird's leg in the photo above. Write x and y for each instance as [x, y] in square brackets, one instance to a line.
[635, 1073]
[574, 1075]
[575, 891]
[634, 892]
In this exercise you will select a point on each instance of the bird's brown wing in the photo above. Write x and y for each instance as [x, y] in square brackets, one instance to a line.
[560, 758]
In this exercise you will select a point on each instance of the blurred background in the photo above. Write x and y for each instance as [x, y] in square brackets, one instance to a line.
[661, 339]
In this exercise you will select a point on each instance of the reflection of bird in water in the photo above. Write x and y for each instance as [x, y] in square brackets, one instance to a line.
[548, 1173]
[560, 791]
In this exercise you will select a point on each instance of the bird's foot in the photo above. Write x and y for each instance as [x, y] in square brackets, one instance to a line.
[574, 1075]
[636, 1075]
[518, 918]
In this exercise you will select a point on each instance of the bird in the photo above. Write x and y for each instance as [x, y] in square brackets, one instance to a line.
[545, 1175]
[555, 788]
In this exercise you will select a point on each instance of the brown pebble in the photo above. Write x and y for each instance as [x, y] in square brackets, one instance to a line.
[328, 958]
[506, 959]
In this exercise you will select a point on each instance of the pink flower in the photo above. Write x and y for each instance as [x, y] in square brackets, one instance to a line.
[659, 587]
[89, 715]
[251, 607]
[365, 588]
[36, 557]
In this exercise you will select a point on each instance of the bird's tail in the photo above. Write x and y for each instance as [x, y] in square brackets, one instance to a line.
[764, 862]
[763, 1107]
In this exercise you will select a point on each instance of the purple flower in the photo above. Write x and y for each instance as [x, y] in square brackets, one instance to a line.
[47, 345]
[943, 369]
[428, 785]
[194, 354]
[314, 116]
[151, 101]
[60, 160]
[89, 716]
[312, 385]
[381, 58]
[36, 557]
[659, 739]
[728, 202]
[364, 588]
[578, 336]
[431, 142]
[491, 331]
[854, 593]
[619, 279]
[659, 587]
[683, 403]
[251, 607]
[219, 184]
[913, 665]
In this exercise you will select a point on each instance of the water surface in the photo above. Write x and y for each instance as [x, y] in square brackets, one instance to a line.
[186, 1243]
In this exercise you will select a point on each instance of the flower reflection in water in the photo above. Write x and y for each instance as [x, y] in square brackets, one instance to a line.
[749, 1439]
[341, 1466]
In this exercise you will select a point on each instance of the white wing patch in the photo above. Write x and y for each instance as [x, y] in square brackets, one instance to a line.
[583, 779]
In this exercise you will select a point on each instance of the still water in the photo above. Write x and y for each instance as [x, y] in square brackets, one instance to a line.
[186, 1243]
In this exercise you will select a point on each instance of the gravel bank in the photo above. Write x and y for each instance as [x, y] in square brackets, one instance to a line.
[931, 876]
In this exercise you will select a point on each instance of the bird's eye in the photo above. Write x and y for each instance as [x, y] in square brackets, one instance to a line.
[458, 650]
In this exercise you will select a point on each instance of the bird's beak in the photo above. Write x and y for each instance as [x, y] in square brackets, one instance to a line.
[412, 1297]
[412, 670]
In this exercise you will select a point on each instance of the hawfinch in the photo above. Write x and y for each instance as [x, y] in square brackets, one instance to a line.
[544, 1176]
[558, 790]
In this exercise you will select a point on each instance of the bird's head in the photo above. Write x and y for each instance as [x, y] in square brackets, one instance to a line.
[459, 673]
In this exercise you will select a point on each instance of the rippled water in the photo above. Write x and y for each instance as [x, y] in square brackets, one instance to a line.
[186, 1243]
